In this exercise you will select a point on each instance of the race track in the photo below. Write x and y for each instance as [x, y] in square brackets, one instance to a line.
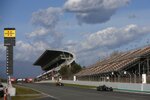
[74, 93]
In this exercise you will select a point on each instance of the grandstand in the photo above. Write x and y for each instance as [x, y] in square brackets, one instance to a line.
[122, 67]
[51, 61]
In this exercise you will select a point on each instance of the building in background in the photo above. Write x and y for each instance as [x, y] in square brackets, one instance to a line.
[127, 67]
[51, 61]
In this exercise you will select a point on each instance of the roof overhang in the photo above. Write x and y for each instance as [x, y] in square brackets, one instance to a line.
[51, 59]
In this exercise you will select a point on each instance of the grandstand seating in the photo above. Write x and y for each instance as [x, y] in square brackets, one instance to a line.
[116, 62]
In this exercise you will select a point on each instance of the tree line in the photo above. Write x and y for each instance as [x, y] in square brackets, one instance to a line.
[67, 72]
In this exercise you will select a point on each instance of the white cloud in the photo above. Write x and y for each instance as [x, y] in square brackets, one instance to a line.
[47, 17]
[39, 32]
[102, 43]
[46, 21]
[114, 37]
[94, 11]
[2, 52]
[70, 45]
[94, 46]
[28, 52]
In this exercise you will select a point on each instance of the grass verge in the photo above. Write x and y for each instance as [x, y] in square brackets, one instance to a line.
[24, 90]
[132, 91]
[24, 93]
[80, 86]
[25, 97]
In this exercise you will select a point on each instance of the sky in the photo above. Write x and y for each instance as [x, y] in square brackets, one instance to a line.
[91, 29]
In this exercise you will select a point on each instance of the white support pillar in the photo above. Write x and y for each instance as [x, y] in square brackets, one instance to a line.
[52, 78]
[74, 78]
[143, 78]
[143, 81]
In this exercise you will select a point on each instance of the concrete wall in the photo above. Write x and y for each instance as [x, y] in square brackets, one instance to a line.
[117, 85]
[124, 86]
[146, 87]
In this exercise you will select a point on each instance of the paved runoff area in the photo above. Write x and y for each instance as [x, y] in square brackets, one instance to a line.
[53, 92]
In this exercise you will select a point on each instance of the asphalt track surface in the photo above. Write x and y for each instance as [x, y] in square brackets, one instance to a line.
[73, 93]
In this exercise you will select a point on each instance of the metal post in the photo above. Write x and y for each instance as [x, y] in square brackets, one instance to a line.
[99, 79]
[129, 76]
[110, 80]
[96, 77]
[139, 72]
[147, 66]
[135, 77]
[113, 74]
[114, 78]
[92, 78]
[118, 77]
[143, 69]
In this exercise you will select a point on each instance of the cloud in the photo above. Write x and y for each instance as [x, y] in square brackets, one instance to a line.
[2, 52]
[70, 45]
[92, 48]
[132, 16]
[46, 21]
[90, 57]
[102, 43]
[27, 52]
[94, 45]
[47, 18]
[39, 32]
[94, 11]
[114, 37]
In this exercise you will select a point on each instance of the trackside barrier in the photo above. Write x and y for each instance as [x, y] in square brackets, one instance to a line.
[117, 85]
[9, 91]
[5, 97]
[6, 94]
[122, 86]
[12, 91]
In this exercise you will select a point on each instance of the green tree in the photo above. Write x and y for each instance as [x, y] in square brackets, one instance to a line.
[64, 71]
[69, 71]
[75, 68]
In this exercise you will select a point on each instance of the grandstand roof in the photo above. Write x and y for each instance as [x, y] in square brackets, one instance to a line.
[51, 59]
[115, 63]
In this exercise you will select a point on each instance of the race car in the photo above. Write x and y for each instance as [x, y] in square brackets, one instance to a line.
[104, 88]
